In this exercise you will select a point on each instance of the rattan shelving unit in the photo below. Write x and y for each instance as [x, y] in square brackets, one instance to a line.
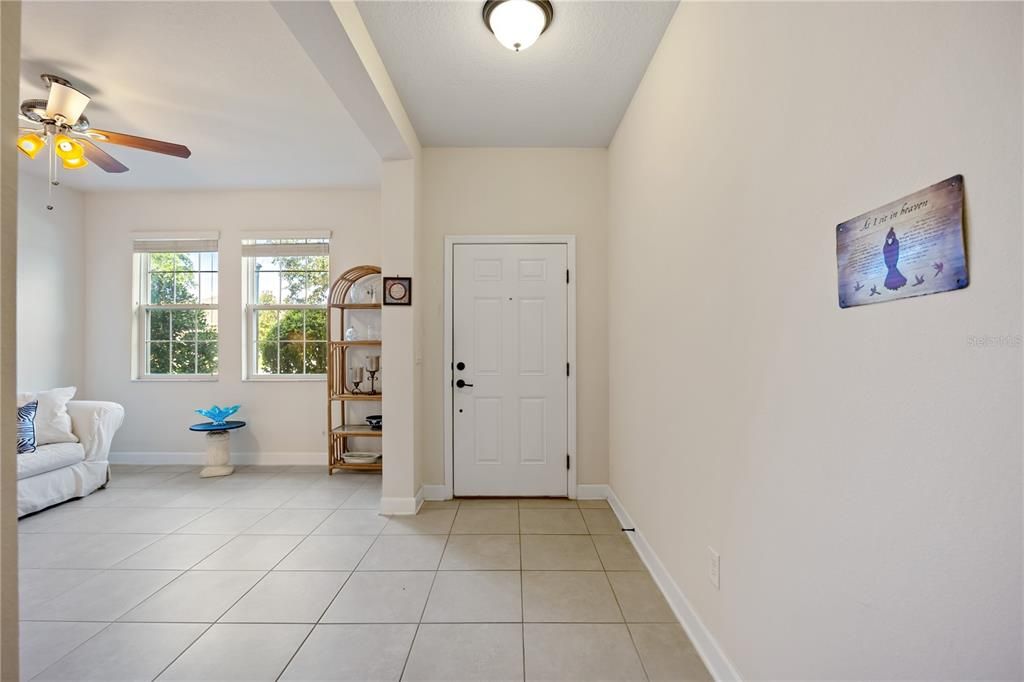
[339, 392]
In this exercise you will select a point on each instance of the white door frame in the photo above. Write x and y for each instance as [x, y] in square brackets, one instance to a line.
[449, 273]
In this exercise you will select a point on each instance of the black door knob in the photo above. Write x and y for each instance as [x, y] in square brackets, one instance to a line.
[460, 366]
[462, 384]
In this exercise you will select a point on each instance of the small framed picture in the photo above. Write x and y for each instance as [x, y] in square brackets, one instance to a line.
[398, 291]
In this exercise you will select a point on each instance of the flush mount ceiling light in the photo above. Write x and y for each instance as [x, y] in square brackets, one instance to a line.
[518, 23]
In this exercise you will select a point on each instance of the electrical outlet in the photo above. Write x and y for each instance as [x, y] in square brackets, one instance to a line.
[714, 568]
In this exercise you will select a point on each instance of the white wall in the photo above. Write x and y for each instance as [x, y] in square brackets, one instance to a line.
[50, 276]
[285, 418]
[519, 191]
[859, 470]
[400, 366]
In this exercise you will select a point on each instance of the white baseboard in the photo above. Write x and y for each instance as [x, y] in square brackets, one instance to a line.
[199, 458]
[584, 491]
[592, 491]
[402, 506]
[436, 492]
[703, 641]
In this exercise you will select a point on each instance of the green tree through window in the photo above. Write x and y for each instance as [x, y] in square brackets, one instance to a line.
[181, 316]
[291, 315]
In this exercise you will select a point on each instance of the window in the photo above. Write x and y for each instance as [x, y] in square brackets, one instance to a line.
[286, 311]
[176, 307]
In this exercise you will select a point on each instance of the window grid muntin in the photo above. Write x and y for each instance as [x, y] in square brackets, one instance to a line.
[254, 308]
[258, 270]
[206, 263]
[198, 271]
[305, 341]
[170, 341]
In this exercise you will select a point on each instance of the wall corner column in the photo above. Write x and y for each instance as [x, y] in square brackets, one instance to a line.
[400, 372]
[10, 58]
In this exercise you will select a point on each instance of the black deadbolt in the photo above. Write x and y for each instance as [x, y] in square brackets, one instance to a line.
[461, 366]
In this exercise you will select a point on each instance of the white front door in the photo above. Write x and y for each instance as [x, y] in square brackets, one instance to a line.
[510, 354]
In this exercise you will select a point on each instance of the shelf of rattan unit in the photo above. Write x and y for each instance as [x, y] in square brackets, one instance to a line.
[356, 431]
[365, 342]
[364, 397]
[376, 466]
[356, 306]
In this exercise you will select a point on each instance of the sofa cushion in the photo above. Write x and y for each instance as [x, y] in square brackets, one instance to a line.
[27, 427]
[53, 425]
[49, 458]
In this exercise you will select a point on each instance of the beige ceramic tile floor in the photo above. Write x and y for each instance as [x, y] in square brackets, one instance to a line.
[286, 573]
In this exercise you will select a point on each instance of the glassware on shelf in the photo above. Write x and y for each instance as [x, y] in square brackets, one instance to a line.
[351, 334]
[373, 368]
[356, 376]
[365, 291]
[355, 294]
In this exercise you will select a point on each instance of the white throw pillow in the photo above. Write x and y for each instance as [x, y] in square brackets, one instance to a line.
[53, 424]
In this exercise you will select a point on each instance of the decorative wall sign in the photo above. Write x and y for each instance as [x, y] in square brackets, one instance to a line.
[398, 291]
[911, 247]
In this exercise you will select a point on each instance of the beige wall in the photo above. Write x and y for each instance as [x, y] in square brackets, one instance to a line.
[859, 470]
[400, 374]
[10, 47]
[286, 419]
[51, 270]
[519, 191]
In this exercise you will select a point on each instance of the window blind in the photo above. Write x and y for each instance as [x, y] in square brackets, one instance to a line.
[141, 244]
[308, 249]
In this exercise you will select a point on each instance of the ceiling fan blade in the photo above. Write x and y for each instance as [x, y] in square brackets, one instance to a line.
[101, 158]
[158, 146]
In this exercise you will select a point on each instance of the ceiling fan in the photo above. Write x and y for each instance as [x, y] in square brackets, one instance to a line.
[57, 122]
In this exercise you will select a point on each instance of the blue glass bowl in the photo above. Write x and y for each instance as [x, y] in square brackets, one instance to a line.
[219, 415]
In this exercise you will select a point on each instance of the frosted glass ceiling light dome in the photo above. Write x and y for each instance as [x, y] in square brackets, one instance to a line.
[518, 23]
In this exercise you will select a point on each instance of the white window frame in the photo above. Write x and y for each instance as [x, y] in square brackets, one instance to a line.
[251, 310]
[167, 243]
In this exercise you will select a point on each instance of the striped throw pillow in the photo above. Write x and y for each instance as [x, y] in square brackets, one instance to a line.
[27, 427]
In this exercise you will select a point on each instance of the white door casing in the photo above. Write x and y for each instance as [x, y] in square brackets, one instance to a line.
[510, 422]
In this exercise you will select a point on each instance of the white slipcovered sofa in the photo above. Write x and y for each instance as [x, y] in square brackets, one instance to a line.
[62, 471]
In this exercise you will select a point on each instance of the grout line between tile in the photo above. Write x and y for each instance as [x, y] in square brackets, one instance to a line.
[235, 492]
[423, 611]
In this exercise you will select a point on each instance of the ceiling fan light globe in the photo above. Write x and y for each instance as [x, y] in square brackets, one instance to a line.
[30, 144]
[517, 23]
[72, 164]
[68, 149]
[65, 103]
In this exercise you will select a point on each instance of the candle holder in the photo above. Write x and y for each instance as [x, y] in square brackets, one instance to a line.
[356, 376]
[373, 368]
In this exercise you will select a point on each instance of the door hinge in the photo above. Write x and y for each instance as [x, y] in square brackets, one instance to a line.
[567, 369]
[566, 276]
[567, 461]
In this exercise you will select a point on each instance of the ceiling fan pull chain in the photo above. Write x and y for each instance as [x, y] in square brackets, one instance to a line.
[52, 161]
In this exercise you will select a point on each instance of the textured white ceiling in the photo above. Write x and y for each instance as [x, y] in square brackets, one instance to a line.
[227, 79]
[461, 88]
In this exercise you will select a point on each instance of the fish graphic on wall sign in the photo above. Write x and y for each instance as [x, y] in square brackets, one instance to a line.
[922, 232]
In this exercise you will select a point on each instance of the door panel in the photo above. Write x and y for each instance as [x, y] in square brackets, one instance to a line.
[487, 336]
[532, 335]
[510, 328]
